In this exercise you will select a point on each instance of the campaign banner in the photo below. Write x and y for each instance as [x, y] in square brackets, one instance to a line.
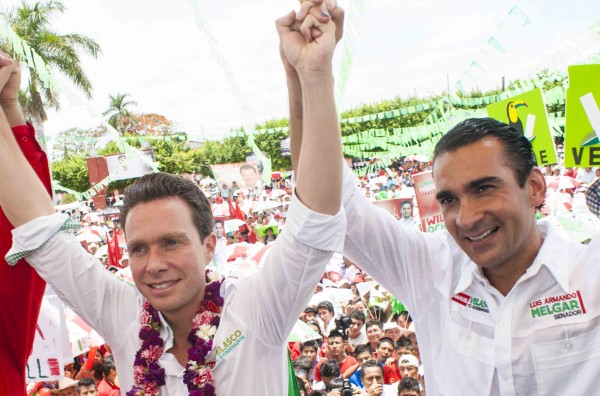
[245, 174]
[129, 166]
[582, 125]
[429, 209]
[394, 205]
[47, 357]
[527, 114]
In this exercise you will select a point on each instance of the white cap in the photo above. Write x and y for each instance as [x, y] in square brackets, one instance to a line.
[408, 360]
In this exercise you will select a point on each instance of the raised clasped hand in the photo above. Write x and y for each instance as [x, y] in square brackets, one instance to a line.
[10, 78]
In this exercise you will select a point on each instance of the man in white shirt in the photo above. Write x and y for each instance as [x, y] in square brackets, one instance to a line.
[500, 302]
[168, 223]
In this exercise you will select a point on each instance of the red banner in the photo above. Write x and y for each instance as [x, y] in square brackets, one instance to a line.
[429, 209]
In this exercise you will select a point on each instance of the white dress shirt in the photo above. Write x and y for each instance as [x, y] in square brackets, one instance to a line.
[472, 339]
[258, 314]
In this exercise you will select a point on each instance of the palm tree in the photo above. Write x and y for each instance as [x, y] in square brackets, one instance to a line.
[31, 23]
[119, 114]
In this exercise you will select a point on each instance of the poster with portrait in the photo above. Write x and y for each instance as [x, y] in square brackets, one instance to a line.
[129, 166]
[429, 209]
[392, 205]
[245, 174]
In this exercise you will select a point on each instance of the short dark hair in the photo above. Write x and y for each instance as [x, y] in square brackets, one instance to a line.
[408, 383]
[218, 221]
[362, 348]
[372, 323]
[85, 382]
[404, 342]
[309, 344]
[517, 148]
[369, 364]
[406, 202]
[108, 365]
[383, 340]
[335, 334]
[155, 186]
[336, 383]
[325, 305]
[330, 368]
[303, 363]
[358, 315]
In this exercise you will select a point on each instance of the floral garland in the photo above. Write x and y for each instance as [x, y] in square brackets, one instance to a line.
[198, 376]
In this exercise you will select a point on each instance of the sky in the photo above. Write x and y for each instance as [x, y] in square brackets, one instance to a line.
[213, 66]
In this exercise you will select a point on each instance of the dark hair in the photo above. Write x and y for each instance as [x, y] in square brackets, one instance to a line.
[335, 334]
[372, 323]
[85, 382]
[309, 344]
[330, 368]
[517, 148]
[358, 315]
[107, 365]
[325, 305]
[361, 348]
[404, 342]
[155, 186]
[335, 383]
[406, 202]
[408, 383]
[369, 364]
[303, 363]
[383, 340]
[406, 316]
[218, 221]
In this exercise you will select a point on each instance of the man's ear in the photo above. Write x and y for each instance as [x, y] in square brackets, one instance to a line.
[536, 185]
[210, 244]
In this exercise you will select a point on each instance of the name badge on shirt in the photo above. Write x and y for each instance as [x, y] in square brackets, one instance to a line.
[560, 306]
[475, 303]
[232, 341]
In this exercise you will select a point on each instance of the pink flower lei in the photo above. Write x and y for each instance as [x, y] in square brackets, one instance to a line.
[198, 377]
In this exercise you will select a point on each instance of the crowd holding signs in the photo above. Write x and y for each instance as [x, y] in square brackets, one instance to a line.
[337, 272]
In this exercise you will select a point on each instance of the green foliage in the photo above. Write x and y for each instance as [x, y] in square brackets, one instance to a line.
[31, 21]
[71, 173]
[68, 198]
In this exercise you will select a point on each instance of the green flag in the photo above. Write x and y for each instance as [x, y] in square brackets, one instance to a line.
[266, 173]
[292, 383]
[582, 129]
[527, 114]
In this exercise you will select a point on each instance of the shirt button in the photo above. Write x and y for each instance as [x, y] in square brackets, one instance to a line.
[24, 139]
[568, 346]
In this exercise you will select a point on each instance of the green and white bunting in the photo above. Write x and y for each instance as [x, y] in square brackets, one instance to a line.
[582, 134]
[527, 114]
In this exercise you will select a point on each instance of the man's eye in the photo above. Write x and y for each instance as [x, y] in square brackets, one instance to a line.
[484, 188]
[446, 201]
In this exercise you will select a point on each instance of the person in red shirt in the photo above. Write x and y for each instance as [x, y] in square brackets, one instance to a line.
[335, 344]
[385, 351]
[107, 386]
[21, 288]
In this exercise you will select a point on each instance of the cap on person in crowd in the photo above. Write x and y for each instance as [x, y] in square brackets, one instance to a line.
[408, 360]
[123, 258]
[390, 326]
[64, 384]
[310, 309]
